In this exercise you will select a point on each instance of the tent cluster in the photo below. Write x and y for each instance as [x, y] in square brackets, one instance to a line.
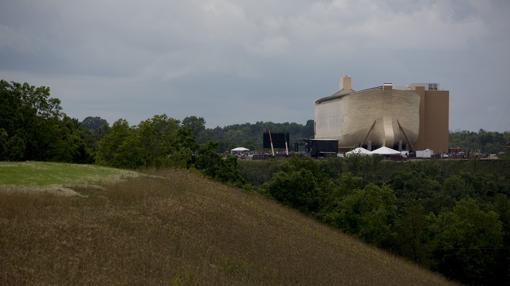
[360, 151]
[385, 151]
[239, 150]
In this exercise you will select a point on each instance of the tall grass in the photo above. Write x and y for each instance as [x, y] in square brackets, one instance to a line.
[178, 228]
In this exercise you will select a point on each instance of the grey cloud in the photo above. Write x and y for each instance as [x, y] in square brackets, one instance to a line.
[236, 61]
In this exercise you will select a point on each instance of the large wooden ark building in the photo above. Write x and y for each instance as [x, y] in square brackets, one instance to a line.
[411, 118]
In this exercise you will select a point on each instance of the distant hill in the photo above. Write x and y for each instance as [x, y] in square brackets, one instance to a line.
[178, 228]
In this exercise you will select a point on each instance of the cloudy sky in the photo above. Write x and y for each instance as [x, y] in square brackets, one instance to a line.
[235, 61]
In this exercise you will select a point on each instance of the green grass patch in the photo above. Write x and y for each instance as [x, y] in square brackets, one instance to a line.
[47, 174]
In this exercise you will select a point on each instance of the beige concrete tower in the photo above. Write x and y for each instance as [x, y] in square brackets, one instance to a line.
[434, 107]
[345, 83]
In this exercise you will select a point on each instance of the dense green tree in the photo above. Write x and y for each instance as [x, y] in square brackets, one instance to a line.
[345, 185]
[113, 147]
[158, 139]
[411, 233]
[481, 141]
[297, 163]
[35, 128]
[196, 125]
[369, 213]
[502, 270]
[92, 129]
[96, 125]
[417, 185]
[466, 242]
[155, 142]
[298, 188]
[68, 144]
[16, 148]
[3, 143]
[455, 187]
[309, 130]
[130, 153]
[213, 165]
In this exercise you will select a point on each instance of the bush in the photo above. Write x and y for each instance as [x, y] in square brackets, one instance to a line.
[298, 189]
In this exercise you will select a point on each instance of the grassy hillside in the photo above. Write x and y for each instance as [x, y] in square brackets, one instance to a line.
[181, 229]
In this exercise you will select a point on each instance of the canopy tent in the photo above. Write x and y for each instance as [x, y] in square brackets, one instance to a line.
[358, 151]
[239, 149]
[386, 151]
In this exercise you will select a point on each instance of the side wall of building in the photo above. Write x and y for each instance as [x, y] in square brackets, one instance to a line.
[329, 120]
[434, 112]
[373, 117]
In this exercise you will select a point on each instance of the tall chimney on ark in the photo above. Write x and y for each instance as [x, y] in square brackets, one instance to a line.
[345, 83]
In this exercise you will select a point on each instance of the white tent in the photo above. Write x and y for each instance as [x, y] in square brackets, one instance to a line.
[385, 151]
[360, 151]
[239, 149]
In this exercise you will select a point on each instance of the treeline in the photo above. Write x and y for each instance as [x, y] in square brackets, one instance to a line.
[451, 217]
[488, 142]
[162, 141]
[250, 135]
[247, 135]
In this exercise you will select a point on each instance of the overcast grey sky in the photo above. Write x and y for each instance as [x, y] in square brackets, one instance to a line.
[235, 61]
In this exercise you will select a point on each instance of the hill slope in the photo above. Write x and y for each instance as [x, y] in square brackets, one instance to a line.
[182, 229]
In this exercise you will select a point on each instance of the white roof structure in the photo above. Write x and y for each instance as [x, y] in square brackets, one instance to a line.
[358, 151]
[239, 149]
[385, 151]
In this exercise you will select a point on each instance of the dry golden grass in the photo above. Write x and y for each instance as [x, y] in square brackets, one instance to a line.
[181, 229]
